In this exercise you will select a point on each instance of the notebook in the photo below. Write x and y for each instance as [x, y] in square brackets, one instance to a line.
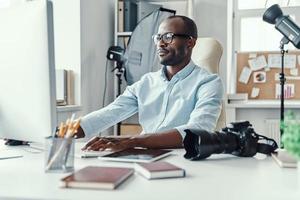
[284, 159]
[157, 170]
[94, 177]
[137, 155]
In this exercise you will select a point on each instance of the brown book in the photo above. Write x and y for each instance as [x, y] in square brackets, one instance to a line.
[70, 88]
[156, 170]
[93, 177]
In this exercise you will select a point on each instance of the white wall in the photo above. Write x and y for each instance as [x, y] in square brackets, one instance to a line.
[211, 19]
[97, 22]
[67, 38]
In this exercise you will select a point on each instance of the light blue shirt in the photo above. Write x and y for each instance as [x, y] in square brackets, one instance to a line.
[192, 99]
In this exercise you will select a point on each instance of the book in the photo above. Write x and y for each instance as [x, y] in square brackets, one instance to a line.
[94, 177]
[157, 170]
[284, 159]
[70, 88]
[61, 87]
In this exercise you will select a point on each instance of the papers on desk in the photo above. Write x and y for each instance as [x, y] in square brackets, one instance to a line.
[7, 154]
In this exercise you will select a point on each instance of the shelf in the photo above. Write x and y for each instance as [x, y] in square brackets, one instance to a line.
[124, 33]
[264, 104]
[68, 108]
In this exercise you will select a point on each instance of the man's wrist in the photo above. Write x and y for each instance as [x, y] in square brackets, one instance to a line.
[138, 141]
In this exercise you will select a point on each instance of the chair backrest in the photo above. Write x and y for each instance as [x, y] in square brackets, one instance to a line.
[207, 53]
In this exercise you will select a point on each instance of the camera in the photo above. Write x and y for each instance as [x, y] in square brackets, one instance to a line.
[237, 138]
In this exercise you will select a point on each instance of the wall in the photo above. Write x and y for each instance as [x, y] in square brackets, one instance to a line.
[67, 38]
[83, 32]
[97, 24]
[211, 19]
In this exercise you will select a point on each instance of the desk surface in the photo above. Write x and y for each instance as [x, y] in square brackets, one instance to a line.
[219, 177]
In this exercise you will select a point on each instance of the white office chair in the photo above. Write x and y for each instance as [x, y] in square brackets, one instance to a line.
[207, 53]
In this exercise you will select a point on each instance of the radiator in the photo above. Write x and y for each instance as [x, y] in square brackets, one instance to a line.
[272, 129]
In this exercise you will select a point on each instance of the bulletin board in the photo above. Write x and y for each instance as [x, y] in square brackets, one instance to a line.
[267, 89]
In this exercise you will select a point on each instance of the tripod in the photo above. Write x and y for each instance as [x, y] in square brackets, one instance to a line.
[282, 79]
[120, 70]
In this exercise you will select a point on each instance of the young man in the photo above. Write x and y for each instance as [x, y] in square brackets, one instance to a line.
[180, 96]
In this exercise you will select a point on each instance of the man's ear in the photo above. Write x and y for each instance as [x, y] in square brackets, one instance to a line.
[191, 43]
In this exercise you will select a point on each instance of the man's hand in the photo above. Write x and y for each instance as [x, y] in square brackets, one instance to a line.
[79, 133]
[111, 143]
[165, 140]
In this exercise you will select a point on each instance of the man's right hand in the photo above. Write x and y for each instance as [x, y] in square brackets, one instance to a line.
[113, 143]
[79, 133]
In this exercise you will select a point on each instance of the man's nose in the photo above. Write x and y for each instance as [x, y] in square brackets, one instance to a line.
[161, 43]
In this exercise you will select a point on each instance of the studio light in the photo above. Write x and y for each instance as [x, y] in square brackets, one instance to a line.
[283, 23]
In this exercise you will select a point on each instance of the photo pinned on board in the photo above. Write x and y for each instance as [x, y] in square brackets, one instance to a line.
[259, 77]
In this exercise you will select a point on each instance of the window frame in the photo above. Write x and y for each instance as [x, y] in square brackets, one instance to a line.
[246, 13]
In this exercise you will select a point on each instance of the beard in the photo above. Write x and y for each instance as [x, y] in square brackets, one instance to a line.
[173, 57]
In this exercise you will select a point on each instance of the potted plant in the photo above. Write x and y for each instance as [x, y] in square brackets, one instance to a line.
[291, 136]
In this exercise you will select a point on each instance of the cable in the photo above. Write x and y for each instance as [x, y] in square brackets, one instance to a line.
[105, 83]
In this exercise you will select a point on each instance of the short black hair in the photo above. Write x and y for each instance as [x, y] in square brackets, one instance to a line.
[190, 26]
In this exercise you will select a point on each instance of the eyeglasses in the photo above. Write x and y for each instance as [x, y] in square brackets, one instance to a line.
[167, 38]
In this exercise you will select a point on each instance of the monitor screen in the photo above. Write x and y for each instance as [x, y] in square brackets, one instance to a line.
[27, 71]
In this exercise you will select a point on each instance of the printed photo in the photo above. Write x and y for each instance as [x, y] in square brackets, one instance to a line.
[259, 77]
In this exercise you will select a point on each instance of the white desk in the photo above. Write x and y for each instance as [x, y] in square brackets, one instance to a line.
[217, 178]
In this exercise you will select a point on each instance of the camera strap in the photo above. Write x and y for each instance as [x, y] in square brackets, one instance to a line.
[269, 145]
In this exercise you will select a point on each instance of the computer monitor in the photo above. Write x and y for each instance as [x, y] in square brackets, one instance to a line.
[27, 71]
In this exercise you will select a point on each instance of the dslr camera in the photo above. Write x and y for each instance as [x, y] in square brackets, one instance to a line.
[237, 138]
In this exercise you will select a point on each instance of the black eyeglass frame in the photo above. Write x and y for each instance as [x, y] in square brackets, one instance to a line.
[172, 34]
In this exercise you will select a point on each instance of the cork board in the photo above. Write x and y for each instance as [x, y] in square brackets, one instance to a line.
[268, 88]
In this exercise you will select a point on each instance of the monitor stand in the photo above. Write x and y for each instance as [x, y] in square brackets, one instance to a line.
[10, 142]
[284, 159]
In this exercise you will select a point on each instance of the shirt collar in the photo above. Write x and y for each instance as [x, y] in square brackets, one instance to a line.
[181, 74]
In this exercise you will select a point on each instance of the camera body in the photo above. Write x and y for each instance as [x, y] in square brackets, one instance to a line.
[238, 138]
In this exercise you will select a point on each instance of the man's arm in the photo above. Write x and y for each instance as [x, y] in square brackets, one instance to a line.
[167, 139]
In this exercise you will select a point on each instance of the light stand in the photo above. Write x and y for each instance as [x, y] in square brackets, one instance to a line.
[291, 32]
[116, 53]
[282, 79]
[120, 70]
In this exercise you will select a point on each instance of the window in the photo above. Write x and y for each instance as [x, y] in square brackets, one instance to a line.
[251, 33]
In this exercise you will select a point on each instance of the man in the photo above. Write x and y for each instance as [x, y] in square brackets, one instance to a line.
[179, 96]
